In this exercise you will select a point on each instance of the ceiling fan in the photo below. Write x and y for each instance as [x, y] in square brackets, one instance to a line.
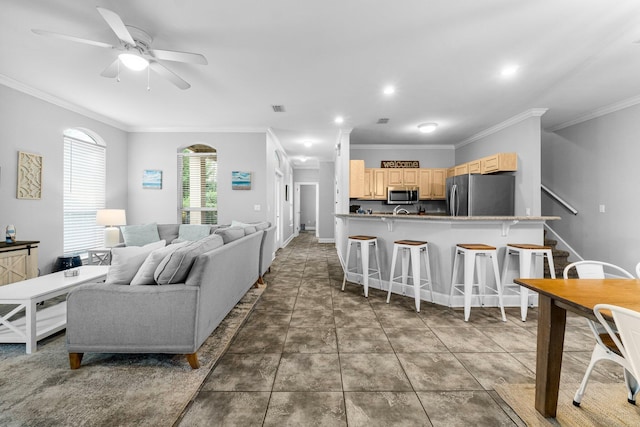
[136, 52]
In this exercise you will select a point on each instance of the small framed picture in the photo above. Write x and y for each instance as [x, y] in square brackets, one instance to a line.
[152, 179]
[240, 180]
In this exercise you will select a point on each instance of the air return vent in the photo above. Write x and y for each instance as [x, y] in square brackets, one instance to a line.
[382, 121]
[278, 108]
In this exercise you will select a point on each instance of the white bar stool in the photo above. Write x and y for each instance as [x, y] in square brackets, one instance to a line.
[411, 250]
[362, 246]
[470, 252]
[527, 254]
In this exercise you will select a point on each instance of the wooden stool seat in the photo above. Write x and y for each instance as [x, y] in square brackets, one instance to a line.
[528, 246]
[362, 237]
[410, 242]
[476, 246]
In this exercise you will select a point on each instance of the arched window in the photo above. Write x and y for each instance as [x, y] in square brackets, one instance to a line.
[84, 191]
[198, 185]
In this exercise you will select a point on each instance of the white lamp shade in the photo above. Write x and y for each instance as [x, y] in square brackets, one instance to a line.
[133, 62]
[111, 217]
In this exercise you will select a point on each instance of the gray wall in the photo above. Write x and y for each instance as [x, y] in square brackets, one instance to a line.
[326, 201]
[594, 163]
[524, 138]
[428, 157]
[32, 125]
[159, 151]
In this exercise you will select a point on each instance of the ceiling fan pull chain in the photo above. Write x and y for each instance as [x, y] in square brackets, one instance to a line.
[148, 79]
[118, 75]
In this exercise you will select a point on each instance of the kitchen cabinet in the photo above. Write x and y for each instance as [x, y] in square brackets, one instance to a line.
[18, 261]
[432, 183]
[356, 179]
[474, 166]
[379, 179]
[395, 177]
[410, 177]
[501, 162]
[368, 184]
[462, 169]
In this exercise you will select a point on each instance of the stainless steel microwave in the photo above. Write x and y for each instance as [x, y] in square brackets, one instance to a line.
[402, 196]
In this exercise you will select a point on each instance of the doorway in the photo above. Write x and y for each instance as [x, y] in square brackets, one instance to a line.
[306, 207]
[278, 210]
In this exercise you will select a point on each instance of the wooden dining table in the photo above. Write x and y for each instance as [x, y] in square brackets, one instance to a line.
[556, 297]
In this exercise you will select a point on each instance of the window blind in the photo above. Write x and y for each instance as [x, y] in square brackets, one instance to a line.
[84, 194]
[198, 187]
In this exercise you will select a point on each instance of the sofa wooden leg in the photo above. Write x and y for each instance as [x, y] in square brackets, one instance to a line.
[193, 360]
[75, 359]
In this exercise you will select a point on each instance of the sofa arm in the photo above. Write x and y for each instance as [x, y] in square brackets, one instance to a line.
[132, 319]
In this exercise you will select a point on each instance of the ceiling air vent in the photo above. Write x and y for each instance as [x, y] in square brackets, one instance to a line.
[383, 121]
[278, 108]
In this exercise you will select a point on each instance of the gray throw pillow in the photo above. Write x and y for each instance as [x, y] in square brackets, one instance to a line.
[249, 229]
[175, 267]
[230, 234]
[193, 231]
[262, 225]
[126, 261]
[140, 235]
[145, 273]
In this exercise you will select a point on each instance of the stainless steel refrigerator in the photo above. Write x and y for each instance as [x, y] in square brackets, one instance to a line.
[481, 195]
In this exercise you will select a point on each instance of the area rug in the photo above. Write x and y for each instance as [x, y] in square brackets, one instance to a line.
[108, 389]
[602, 405]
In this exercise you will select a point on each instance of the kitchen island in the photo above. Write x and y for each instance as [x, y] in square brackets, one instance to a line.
[443, 233]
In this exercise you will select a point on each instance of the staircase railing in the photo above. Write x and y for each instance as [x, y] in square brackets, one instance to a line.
[559, 199]
[563, 243]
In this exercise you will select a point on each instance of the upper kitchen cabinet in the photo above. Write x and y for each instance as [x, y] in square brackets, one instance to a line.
[432, 184]
[403, 177]
[379, 183]
[501, 162]
[356, 179]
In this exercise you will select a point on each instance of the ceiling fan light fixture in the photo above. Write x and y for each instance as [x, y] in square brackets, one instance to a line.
[133, 62]
[427, 127]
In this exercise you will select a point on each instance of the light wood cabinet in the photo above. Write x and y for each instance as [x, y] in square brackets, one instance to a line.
[432, 184]
[451, 172]
[501, 162]
[395, 177]
[410, 177]
[18, 261]
[462, 169]
[474, 166]
[368, 184]
[356, 179]
[380, 183]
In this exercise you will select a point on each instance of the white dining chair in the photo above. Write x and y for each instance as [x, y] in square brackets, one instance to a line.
[638, 270]
[601, 351]
[622, 347]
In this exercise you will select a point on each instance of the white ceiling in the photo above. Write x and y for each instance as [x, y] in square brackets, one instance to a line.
[333, 57]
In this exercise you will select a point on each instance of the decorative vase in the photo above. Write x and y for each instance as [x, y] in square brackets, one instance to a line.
[11, 233]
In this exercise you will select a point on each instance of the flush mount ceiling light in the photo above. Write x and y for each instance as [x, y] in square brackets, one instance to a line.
[389, 90]
[509, 70]
[338, 120]
[427, 127]
[133, 62]
[303, 159]
[307, 144]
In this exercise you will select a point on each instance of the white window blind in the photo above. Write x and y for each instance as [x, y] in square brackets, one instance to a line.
[84, 194]
[198, 185]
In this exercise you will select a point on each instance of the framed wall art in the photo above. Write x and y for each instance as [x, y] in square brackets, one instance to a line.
[29, 176]
[152, 179]
[240, 180]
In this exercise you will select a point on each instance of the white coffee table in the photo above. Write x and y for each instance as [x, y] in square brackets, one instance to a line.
[38, 324]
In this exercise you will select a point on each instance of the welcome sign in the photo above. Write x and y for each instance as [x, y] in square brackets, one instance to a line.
[399, 164]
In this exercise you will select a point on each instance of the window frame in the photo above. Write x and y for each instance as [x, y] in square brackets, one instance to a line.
[182, 211]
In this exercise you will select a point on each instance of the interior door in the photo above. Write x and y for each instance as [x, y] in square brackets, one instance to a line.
[296, 209]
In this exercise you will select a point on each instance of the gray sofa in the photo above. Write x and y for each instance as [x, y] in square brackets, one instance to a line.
[174, 318]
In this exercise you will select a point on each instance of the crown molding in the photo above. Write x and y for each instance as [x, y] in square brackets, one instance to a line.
[47, 97]
[206, 129]
[612, 108]
[534, 112]
[400, 147]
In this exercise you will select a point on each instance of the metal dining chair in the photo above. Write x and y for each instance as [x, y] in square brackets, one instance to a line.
[638, 270]
[603, 349]
[623, 347]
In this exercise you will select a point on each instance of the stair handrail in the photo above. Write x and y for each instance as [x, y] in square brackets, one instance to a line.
[563, 243]
[559, 199]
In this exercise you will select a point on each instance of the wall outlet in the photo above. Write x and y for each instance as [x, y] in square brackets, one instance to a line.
[256, 207]
[602, 209]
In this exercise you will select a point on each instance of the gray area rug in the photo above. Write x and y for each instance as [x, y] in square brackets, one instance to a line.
[109, 389]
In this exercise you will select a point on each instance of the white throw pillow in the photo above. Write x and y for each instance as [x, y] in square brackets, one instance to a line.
[175, 267]
[144, 276]
[193, 231]
[126, 261]
[235, 223]
[140, 235]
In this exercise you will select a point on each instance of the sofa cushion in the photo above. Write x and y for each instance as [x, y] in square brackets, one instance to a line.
[145, 273]
[229, 234]
[140, 235]
[168, 232]
[175, 267]
[249, 229]
[126, 261]
[193, 231]
[262, 225]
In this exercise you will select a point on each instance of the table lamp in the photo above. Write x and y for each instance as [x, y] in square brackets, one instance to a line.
[111, 218]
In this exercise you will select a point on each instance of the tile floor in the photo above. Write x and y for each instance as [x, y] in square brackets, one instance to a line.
[310, 354]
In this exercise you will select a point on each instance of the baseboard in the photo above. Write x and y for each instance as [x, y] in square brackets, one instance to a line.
[293, 236]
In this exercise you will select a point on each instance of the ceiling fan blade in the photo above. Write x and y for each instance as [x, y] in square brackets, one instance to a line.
[112, 70]
[72, 38]
[116, 24]
[169, 75]
[171, 55]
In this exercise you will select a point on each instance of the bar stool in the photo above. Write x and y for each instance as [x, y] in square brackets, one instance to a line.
[411, 251]
[527, 254]
[362, 245]
[470, 252]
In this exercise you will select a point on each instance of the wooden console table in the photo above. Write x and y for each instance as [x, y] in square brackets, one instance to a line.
[18, 261]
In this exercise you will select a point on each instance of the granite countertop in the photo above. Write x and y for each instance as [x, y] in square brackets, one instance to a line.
[440, 217]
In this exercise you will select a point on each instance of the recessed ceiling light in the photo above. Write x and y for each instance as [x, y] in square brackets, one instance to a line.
[389, 90]
[509, 70]
[427, 127]
[338, 120]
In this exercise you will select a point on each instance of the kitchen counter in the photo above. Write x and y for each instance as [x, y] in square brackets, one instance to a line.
[443, 233]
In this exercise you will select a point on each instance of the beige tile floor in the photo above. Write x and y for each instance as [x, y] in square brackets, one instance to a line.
[310, 354]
